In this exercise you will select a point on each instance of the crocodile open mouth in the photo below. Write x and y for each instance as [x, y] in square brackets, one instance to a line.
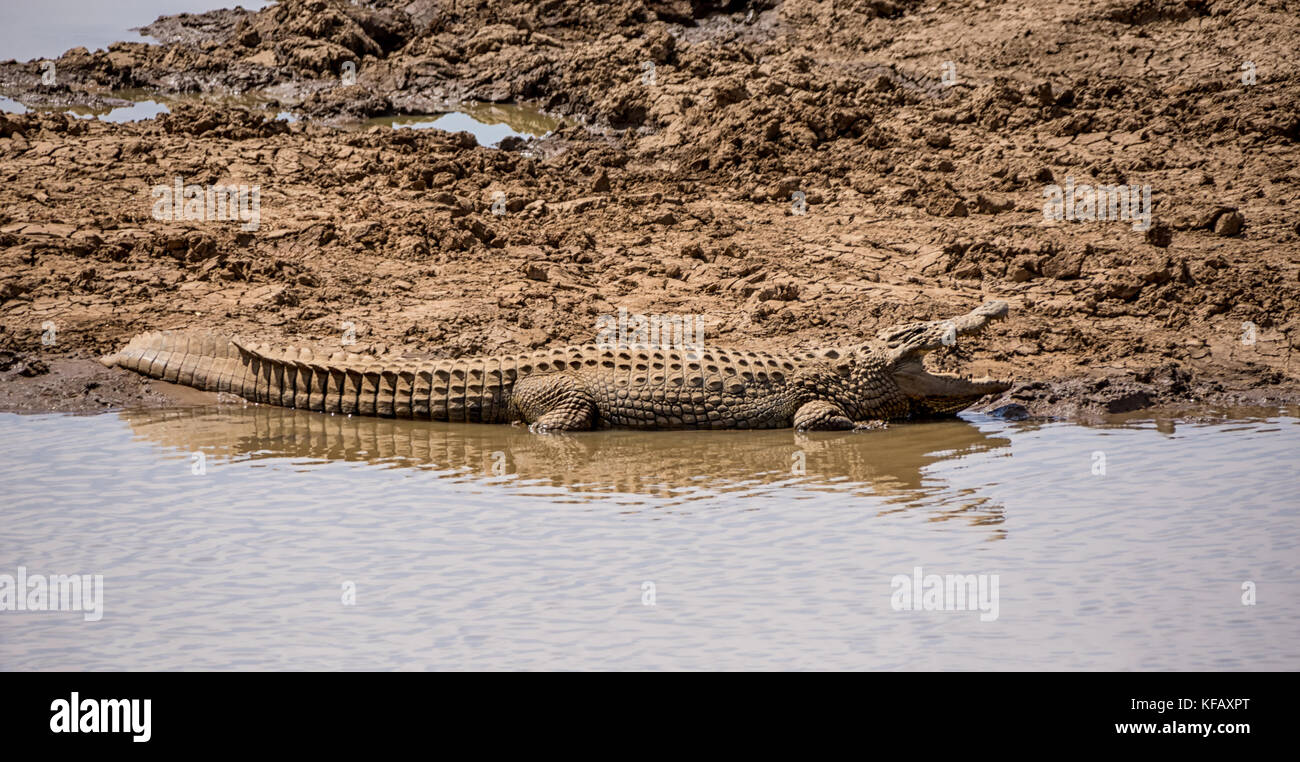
[930, 392]
[942, 393]
[939, 394]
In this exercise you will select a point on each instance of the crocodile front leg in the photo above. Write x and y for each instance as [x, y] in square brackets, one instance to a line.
[554, 402]
[820, 415]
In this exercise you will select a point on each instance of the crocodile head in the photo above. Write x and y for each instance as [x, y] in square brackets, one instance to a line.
[937, 394]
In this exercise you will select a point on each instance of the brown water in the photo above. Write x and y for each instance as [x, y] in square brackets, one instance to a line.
[490, 123]
[488, 547]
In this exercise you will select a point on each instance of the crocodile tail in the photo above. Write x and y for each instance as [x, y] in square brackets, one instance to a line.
[346, 383]
[192, 359]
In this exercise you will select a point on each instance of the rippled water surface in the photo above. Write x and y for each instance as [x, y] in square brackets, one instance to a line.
[48, 28]
[470, 546]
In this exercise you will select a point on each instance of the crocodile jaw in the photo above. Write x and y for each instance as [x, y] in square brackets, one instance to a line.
[942, 393]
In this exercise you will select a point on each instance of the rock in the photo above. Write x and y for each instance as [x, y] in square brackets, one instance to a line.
[729, 91]
[692, 250]
[1229, 224]
[782, 190]
[1021, 270]
[1120, 287]
[1043, 93]
[1134, 400]
[539, 271]
[783, 292]
[1207, 220]
[34, 368]
[601, 183]
[1064, 266]
[954, 208]
[1157, 275]
[988, 205]
[1012, 412]
[938, 139]
[1159, 234]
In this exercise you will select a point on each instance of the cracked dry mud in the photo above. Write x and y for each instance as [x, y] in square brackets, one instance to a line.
[688, 128]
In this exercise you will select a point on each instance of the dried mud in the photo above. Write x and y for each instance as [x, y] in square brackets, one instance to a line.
[688, 128]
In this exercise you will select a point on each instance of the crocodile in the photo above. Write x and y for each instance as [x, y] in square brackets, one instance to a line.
[855, 386]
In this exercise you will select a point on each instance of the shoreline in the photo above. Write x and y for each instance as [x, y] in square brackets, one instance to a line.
[672, 189]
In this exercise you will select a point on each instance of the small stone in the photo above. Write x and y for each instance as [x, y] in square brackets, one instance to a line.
[958, 209]
[1159, 234]
[1129, 402]
[1229, 224]
[782, 190]
[34, 368]
[1011, 412]
[1208, 220]
[539, 271]
[1019, 274]
[1063, 266]
[938, 139]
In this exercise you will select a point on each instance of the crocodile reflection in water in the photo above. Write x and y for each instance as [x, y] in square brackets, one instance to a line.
[888, 463]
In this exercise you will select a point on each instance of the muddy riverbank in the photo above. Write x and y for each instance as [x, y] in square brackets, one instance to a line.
[794, 187]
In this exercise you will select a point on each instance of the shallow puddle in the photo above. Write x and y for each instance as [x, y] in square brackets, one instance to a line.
[147, 104]
[230, 537]
[489, 123]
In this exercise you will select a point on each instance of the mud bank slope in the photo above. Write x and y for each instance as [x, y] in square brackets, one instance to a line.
[798, 175]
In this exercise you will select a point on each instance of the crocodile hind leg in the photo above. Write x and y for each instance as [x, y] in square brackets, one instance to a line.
[554, 402]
